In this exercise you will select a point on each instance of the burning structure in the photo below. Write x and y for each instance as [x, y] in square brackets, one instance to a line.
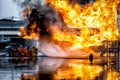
[64, 28]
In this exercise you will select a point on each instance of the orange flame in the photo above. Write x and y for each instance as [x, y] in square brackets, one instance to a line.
[96, 22]
[92, 24]
[113, 75]
[74, 71]
[29, 34]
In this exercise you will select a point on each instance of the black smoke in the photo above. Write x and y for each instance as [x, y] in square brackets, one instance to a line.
[43, 15]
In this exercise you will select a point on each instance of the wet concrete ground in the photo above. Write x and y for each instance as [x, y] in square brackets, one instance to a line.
[44, 68]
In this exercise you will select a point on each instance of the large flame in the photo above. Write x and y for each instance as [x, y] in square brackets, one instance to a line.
[96, 22]
[113, 75]
[77, 71]
[85, 26]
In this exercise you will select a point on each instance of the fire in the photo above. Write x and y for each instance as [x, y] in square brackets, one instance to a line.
[78, 71]
[96, 22]
[29, 34]
[113, 75]
[85, 26]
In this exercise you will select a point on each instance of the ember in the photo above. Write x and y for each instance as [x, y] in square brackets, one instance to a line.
[71, 29]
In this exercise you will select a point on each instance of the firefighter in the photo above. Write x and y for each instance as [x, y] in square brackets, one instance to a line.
[33, 51]
[91, 58]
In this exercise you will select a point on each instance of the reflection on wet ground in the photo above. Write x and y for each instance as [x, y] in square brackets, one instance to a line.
[44, 68]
